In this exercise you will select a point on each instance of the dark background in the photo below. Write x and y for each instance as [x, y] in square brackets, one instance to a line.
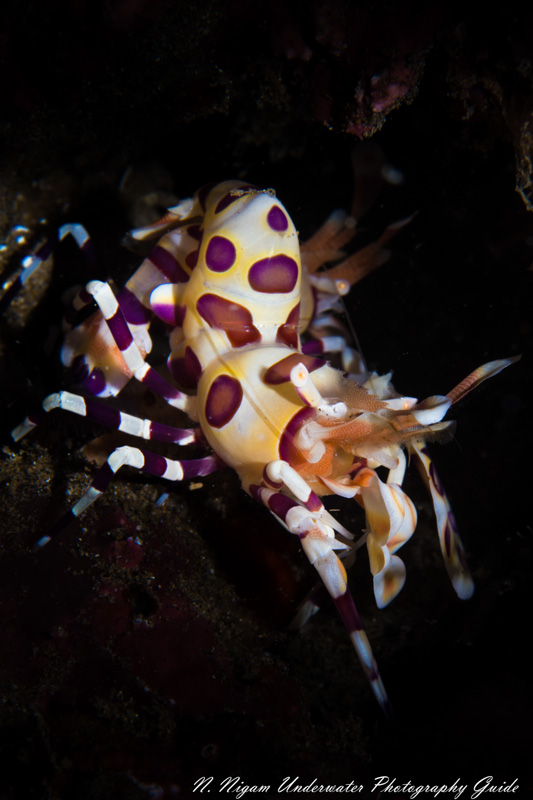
[149, 645]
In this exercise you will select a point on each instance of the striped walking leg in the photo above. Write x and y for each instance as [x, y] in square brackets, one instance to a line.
[131, 354]
[110, 417]
[32, 262]
[319, 543]
[139, 459]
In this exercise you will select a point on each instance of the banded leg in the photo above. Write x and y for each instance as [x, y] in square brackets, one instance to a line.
[90, 350]
[139, 459]
[319, 543]
[110, 417]
[130, 352]
[324, 344]
[450, 542]
[352, 361]
[80, 300]
[279, 473]
[185, 213]
[327, 334]
[32, 262]
[316, 598]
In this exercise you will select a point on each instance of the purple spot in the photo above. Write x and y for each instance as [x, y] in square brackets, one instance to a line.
[132, 308]
[223, 400]
[288, 332]
[234, 319]
[277, 219]
[95, 381]
[273, 275]
[192, 258]
[220, 254]
[280, 372]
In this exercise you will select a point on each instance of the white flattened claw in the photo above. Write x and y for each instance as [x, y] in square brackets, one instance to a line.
[407, 512]
[389, 582]
[397, 473]
[431, 410]
[388, 571]
[401, 403]
[388, 510]
[378, 556]
[340, 489]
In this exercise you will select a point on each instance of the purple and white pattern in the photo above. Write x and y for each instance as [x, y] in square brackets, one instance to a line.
[226, 277]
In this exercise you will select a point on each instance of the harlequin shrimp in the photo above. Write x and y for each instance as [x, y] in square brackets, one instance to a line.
[250, 316]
